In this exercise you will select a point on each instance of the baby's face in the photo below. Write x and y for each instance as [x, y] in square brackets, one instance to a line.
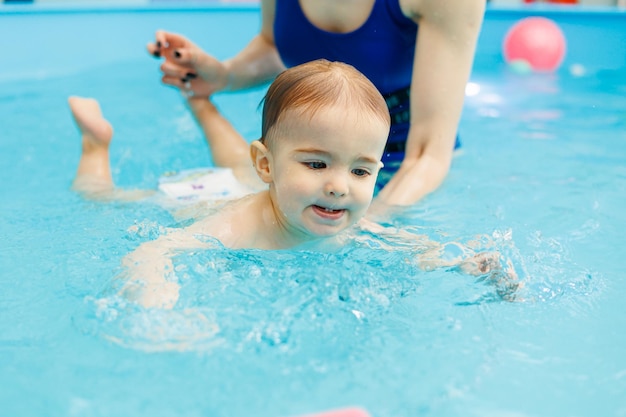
[324, 169]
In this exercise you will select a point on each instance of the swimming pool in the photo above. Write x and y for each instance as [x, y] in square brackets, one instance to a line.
[542, 172]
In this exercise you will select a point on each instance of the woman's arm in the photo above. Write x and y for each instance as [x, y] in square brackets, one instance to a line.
[258, 62]
[446, 43]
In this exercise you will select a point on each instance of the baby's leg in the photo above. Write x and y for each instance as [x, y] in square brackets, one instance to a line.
[94, 171]
[228, 147]
[93, 176]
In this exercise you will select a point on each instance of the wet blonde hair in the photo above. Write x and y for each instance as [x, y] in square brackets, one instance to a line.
[314, 85]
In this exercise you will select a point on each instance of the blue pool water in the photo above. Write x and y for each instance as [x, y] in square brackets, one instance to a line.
[542, 176]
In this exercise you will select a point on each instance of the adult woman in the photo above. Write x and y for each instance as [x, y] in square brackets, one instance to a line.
[427, 68]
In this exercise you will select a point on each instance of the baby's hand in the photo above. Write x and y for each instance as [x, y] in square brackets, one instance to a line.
[481, 263]
[489, 267]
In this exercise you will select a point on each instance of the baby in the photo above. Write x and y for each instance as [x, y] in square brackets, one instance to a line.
[310, 176]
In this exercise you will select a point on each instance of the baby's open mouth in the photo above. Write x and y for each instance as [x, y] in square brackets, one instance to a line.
[328, 212]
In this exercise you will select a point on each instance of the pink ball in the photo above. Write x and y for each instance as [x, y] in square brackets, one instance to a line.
[535, 42]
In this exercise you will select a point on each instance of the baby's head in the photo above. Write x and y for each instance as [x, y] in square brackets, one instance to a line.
[305, 89]
[324, 130]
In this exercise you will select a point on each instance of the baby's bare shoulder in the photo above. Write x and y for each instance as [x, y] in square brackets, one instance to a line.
[234, 224]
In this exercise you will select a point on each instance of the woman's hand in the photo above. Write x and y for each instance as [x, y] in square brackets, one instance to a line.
[187, 67]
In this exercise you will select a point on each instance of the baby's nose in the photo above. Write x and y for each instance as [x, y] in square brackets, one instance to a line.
[336, 186]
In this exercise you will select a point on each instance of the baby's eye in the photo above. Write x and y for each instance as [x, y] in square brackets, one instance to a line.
[360, 172]
[315, 164]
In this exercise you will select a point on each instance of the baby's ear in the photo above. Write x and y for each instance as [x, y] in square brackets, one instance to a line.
[261, 161]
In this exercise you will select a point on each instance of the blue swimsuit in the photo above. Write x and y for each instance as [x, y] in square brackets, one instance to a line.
[382, 49]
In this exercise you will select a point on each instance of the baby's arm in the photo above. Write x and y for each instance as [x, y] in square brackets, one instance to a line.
[228, 148]
[150, 270]
[488, 264]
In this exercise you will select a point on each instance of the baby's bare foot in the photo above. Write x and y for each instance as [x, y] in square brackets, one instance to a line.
[96, 131]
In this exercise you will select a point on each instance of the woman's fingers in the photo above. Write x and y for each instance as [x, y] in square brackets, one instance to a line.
[190, 87]
[182, 56]
[160, 39]
[153, 50]
[171, 40]
[174, 81]
[179, 65]
[170, 46]
[160, 44]
[170, 69]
